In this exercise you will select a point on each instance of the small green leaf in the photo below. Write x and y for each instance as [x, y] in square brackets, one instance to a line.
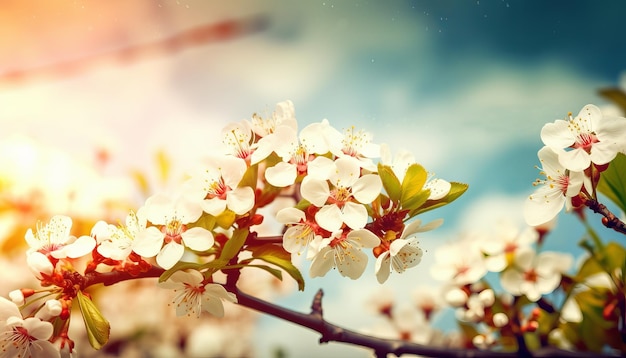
[206, 221]
[276, 255]
[181, 265]
[250, 177]
[456, 190]
[592, 303]
[589, 268]
[412, 184]
[230, 250]
[233, 245]
[226, 219]
[98, 328]
[390, 181]
[613, 181]
[615, 256]
[416, 201]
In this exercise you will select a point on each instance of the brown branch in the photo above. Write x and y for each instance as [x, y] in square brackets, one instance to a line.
[381, 347]
[610, 220]
[113, 277]
[264, 240]
[333, 333]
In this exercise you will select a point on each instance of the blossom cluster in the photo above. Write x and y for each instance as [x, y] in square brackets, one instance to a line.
[545, 300]
[350, 193]
[576, 151]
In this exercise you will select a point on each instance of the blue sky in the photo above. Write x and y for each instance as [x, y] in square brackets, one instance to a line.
[465, 85]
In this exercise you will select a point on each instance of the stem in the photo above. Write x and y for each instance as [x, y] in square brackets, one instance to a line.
[610, 220]
[113, 277]
[333, 333]
[381, 347]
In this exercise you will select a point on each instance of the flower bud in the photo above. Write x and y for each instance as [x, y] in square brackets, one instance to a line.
[17, 297]
[487, 297]
[52, 308]
[481, 341]
[500, 319]
[456, 297]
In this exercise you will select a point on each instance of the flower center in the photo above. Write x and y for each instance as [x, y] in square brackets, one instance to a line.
[354, 142]
[531, 275]
[562, 182]
[239, 142]
[173, 230]
[340, 195]
[585, 141]
[18, 338]
[217, 189]
[300, 158]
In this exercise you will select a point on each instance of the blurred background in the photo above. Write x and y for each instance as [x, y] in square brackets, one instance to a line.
[95, 96]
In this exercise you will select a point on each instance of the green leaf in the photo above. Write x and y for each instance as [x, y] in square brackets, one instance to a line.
[181, 265]
[98, 328]
[607, 258]
[206, 221]
[613, 181]
[412, 185]
[591, 303]
[590, 267]
[276, 255]
[456, 190]
[615, 256]
[230, 250]
[250, 177]
[390, 181]
[226, 219]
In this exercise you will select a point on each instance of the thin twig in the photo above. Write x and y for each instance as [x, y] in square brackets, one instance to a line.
[381, 347]
[610, 220]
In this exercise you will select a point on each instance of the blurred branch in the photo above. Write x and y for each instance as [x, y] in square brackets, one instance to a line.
[196, 36]
[333, 333]
[381, 347]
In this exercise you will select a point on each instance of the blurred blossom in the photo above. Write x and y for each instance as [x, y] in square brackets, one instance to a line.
[459, 263]
[535, 274]
[507, 240]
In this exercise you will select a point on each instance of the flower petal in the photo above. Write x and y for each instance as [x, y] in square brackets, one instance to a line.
[149, 242]
[281, 175]
[575, 160]
[539, 208]
[382, 267]
[8, 309]
[322, 262]
[557, 135]
[213, 206]
[353, 263]
[329, 218]
[41, 330]
[367, 188]
[315, 191]
[290, 216]
[240, 200]
[170, 255]
[81, 247]
[354, 215]
[198, 238]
